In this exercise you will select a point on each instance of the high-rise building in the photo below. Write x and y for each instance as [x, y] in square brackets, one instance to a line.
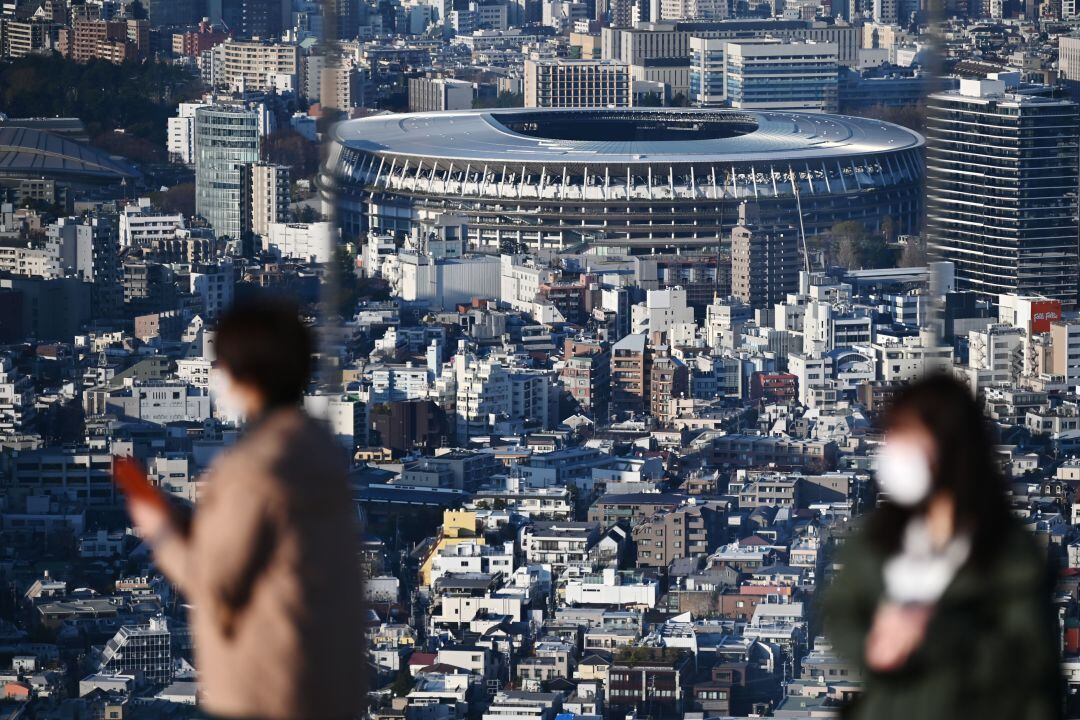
[226, 139]
[620, 13]
[343, 18]
[764, 261]
[1069, 63]
[1002, 189]
[251, 18]
[885, 12]
[266, 196]
[89, 248]
[557, 83]
[173, 13]
[146, 649]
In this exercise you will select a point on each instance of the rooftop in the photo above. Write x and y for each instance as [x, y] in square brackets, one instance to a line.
[638, 136]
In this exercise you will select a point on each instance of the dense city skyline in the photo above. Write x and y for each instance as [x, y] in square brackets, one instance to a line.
[610, 297]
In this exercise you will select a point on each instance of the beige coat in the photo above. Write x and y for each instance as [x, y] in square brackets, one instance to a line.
[270, 567]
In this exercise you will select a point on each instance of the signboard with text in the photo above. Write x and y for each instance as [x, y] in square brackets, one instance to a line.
[1043, 313]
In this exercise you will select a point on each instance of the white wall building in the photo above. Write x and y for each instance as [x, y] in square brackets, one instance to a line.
[141, 224]
[313, 242]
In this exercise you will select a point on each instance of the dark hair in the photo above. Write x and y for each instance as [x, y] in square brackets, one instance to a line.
[965, 464]
[262, 342]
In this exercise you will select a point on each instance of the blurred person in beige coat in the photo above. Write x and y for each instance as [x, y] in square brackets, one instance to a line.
[268, 560]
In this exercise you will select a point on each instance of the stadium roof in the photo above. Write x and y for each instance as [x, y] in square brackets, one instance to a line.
[28, 152]
[602, 136]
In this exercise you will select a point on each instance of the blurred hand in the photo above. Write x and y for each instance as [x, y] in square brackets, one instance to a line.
[151, 521]
[897, 632]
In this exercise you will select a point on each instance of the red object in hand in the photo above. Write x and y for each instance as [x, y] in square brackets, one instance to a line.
[130, 476]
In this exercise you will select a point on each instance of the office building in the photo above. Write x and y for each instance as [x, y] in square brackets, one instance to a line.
[885, 12]
[174, 13]
[767, 74]
[246, 19]
[1069, 64]
[1002, 190]
[304, 241]
[143, 225]
[226, 139]
[145, 649]
[557, 83]
[693, 10]
[438, 94]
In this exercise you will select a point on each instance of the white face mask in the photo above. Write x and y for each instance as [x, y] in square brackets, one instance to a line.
[903, 472]
[228, 403]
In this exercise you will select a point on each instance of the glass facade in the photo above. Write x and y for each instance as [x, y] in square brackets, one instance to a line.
[226, 139]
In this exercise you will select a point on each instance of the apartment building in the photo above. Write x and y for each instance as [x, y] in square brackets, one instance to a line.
[689, 531]
[650, 680]
[630, 374]
[255, 65]
[558, 83]
[114, 41]
[266, 196]
[765, 263]
[25, 37]
[1001, 175]
[586, 374]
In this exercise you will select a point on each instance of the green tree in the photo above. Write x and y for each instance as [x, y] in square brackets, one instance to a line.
[854, 248]
[179, 198]
[288, 147]
[136, 97]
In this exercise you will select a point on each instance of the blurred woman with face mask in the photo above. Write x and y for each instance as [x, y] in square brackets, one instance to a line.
[943, 600]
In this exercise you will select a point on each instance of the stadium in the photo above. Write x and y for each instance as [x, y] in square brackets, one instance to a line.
[28, 153]
[634, 179]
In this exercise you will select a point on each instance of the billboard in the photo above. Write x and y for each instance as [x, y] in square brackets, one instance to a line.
[1043, 313]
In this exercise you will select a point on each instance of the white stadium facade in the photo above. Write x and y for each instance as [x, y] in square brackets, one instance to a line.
[635, 179]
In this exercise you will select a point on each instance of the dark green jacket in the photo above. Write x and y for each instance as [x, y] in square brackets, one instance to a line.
[990, 650]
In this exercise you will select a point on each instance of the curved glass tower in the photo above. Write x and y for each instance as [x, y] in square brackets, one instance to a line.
[226, 139]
